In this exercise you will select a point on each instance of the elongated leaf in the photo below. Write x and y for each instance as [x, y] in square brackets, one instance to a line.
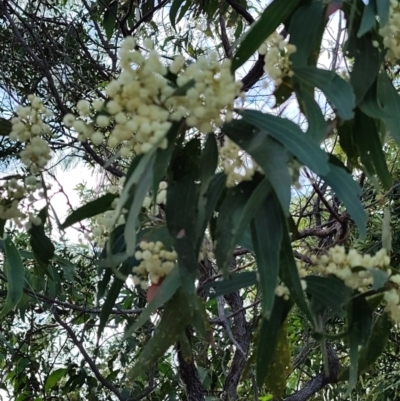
[54, 377]
[282, 365]
[274, 15]
[173, 11]
[109, 19]
[290, 136]
[268, 337]
[137, 184]
[348, 191]
[90, 209]
[267, 231]
[367, 61]
[383, 7]
[380, 278]
[290, 276]
[235, 214]
[302, 33]
[367, 138]
[112, 296]
[374, 348]
[328, 292]
[163, 156]
[41, 244]
[347, 143]
[389, 99]
[214, 192]
[15, 272]
[339, 93]
[177, 315]
[164, 293]
[208, 165]
[268, 153]
[360, 325]
[140, 191]
[317, 126]
[234, 282]
[182, 200]
[368, 19]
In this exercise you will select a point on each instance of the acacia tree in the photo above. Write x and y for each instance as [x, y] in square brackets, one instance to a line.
[203, 274]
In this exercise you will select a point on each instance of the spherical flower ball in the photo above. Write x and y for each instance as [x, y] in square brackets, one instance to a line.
[97, 138]
[69, 120]
[102, 121]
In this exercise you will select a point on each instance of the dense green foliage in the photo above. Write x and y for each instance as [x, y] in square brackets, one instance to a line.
[243, 243]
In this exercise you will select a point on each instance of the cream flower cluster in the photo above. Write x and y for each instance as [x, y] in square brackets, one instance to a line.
[391, 32]
[213, 89]
[28, 127]
[282, 291]
[392, 298]
[103, 224]
[12, 193]
[161, 197]
[277, 51]
[235, 168]
[143, 103]
[155, 263]
[341, 265]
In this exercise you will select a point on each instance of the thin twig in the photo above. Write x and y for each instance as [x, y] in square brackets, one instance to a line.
[87, 357]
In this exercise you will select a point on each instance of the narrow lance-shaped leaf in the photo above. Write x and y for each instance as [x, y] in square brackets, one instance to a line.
[15, 273]
[389, 99]
[174, 11]
[281, 364]
[177, 315]
[328, 292]
[139, 193]
[302, 33]
[367, 62]
[54, 377]
[368, 19]
[348, 191]
[181, 208]
[383, 7]
[338, 92]
[90, 209]
[317, 126]
[366, 137]
[42, 246]
[290, 275]
[360, 325]
[267, 231]
[234, 282]
[291, 137]
[268, 153]
[274, 15]
[164, 293]
[112, 296]
[235, 214]
[268, 338]
[208, 165]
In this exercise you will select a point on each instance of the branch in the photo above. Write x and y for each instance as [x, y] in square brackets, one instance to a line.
[148, 15]
[100, 161]
[189, 374]
[241, 334]
[224, 37]
[241, 11]
[319, 381]
[87, 357]
[78, 308]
